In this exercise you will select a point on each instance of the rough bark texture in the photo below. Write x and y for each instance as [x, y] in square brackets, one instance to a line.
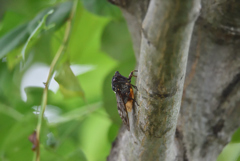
[210, 107]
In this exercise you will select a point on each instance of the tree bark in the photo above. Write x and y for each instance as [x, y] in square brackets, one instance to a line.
[210, 107]
[210, 103]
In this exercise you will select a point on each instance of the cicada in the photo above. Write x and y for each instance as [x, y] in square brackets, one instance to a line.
[122, 87]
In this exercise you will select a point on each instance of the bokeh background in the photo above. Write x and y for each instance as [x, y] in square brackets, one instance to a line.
[81, 120]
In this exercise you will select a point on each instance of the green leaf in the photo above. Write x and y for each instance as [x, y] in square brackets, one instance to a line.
[116, 41]
[20, 34]
[13, 39]
[66, 147]
[77, 114]
[50, 155]
[29, 8]
[57, 18]
[9, 111]
[68, 82]
[113, 132]
[9, 86]
[231, 151]
[93, 136]
[238, 158]
[236, 137]
[84, 44]
[84, 48]
[77, 155]
[6, 123]
[60, 15]
[36, 32]
[49, 19]
[102, 8]
[34, 95]
[10, 20]
[17, 142]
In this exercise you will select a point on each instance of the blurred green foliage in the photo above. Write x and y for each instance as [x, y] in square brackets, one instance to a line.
[81, 119]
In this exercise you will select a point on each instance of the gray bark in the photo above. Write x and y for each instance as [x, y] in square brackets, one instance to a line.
[210, 106]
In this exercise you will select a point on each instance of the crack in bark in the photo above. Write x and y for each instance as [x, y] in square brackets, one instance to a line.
[179, 137]
[227, 91]
[218, 127]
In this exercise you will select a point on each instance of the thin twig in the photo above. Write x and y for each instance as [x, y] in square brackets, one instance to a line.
[51, 71]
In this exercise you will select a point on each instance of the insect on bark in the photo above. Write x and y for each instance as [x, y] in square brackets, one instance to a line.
[122, 87]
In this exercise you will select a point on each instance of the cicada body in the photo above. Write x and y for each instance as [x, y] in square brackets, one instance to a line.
[124, 93]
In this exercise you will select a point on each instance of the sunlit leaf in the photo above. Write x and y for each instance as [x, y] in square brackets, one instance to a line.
[84, 44]
[68, 82]
[231, 151]
[94, 127]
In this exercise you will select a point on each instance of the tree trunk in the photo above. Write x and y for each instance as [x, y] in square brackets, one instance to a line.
[161, 32]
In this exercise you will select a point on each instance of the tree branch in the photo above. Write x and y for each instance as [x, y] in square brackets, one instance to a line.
[210, 109]
[166, 34]
[134, 13]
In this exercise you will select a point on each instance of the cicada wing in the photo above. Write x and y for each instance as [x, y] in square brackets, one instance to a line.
[122, 111]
